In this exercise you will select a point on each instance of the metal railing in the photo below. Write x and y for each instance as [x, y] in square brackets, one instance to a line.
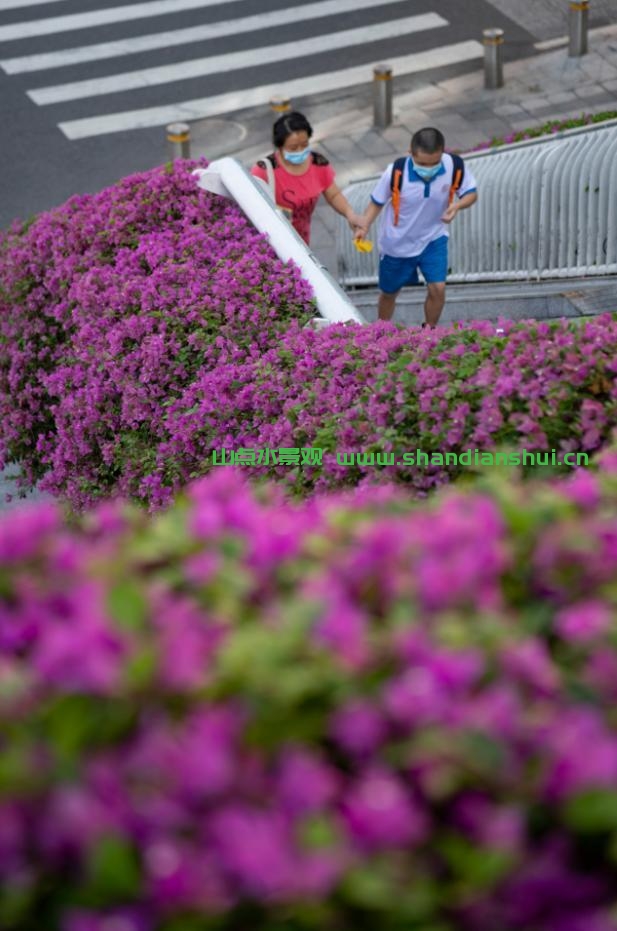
[547, 208]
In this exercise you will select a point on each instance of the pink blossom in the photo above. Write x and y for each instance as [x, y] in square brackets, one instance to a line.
[585, 621]
[380, 813]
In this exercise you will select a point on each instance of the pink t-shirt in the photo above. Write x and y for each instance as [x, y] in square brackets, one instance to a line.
[300, 193]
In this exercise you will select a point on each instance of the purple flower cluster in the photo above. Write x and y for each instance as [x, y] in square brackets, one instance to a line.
[109, 307]
[383, 390]
[354, 711]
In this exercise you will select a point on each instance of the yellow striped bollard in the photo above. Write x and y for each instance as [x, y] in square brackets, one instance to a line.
[179, 140]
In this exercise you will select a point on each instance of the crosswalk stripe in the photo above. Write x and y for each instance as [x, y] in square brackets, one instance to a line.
[148, 43]
[234, 61]
[204, 107]
[116, 14]
[18, 4]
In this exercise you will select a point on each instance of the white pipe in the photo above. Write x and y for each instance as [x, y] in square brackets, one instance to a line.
[227, 177]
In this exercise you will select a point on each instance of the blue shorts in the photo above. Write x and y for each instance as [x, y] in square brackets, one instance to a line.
[395, 273]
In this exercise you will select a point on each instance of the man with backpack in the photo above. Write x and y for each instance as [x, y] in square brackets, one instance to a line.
[422, 193]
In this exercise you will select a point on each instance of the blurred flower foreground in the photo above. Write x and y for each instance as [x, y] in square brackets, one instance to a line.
[312, 701]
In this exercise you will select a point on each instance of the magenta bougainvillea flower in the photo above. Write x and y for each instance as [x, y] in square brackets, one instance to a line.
[109, 307]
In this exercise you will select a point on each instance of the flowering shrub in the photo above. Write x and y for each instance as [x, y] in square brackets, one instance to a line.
[355, 712]
[109, 307]
[547, 129]
[381, 390]
[149, 326]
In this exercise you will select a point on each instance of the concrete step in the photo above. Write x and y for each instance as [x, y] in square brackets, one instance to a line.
[539, 300]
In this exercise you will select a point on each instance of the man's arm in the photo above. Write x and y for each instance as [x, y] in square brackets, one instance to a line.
[465, 201]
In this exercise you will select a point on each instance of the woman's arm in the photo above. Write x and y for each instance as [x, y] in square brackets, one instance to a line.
[339, 202]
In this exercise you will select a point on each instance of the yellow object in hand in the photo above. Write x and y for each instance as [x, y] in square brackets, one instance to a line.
[363, 245]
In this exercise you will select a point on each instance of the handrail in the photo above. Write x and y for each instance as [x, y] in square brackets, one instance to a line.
[228, 178]
[540, 140]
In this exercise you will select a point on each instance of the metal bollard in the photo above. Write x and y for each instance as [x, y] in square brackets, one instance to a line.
[179, 140]
[382, 96]
[280, 105]
[492, 40]
[579, 16]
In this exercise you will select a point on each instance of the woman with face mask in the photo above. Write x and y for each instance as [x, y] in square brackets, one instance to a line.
[300, 176]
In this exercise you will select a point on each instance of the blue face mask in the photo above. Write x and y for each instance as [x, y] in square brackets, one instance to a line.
[427, 174]
[297, 158]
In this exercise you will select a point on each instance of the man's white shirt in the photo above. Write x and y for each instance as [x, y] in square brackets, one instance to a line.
[423, 203]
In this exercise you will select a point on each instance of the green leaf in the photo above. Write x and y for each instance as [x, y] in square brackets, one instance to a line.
[128, 605]
[75, 723]
[164, 537]
[318, 832]
[593, 812]
[113, 870]
[142, 667]
[17, 773]
[196, 923]
[16, 901]
[475, 868]
[487, 753]
[383, 886]
[368, 888]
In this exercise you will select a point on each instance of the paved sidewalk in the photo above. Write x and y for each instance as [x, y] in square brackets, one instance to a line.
[548, 86]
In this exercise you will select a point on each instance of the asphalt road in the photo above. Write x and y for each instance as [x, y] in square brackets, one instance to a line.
[76, 76]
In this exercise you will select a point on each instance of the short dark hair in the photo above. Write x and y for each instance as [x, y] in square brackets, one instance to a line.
[287, 124]
[428, 140]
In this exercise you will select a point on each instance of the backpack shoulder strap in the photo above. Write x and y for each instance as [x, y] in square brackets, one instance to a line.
[396, 178]
[396, 183]
[458, 173]
[269, 163]
[319, 159]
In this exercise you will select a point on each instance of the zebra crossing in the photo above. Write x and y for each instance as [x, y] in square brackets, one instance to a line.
[166, 60]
